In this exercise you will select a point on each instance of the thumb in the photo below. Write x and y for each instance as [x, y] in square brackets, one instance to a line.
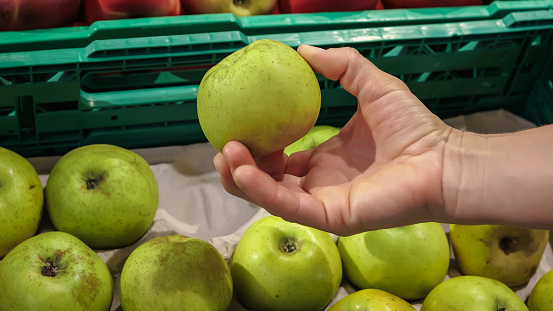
[356, 73]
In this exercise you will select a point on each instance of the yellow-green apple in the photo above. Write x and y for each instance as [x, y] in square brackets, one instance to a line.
[474, 293]
[105, 195]
[541, 297]
[371, 299]
[279, 265]
[21, 198]
[237, 7]
[312, 6]
[54, 271]
[95, 10]
[30, 14]
[175, 272]
[405, 261]
[264, 95]
[316, 136]
[508, 254]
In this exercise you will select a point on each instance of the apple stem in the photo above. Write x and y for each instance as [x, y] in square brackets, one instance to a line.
[92, 182]
[288, 246]
[49, 269]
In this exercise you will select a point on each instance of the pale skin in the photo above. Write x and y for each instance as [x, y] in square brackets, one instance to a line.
[395, 163]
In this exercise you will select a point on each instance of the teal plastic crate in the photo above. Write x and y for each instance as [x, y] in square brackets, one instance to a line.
[133, 83]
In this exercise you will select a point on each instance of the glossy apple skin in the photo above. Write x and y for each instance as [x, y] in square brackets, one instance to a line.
[175, 272]
[83, 280]
[21, 200]
[95, 10]
[32, 14]
[117, 210]
[404, 4]
[405, 261]
[314, 6]
[508, 254]
[316, 136]
[238, 8]
[371, 299]
[268, 277]
[541, 297]
[474, 293]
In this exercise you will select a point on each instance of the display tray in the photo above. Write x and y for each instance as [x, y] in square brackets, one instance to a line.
[193, 202]
[134, 82]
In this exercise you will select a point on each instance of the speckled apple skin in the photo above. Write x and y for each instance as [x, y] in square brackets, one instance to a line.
[371, 299]
[266, 278]
[21, 200]
[265, 96]
[175, 273]
[115, 213]
[82, 283]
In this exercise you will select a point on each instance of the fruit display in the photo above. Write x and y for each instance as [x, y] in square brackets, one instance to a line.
[264, 257]
[28, 14]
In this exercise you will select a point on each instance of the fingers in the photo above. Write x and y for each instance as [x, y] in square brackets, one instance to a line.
[356, 73]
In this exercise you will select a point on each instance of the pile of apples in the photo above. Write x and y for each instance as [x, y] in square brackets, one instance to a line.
[105, 197]
[30, 14]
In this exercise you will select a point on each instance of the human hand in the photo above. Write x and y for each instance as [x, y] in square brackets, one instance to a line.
[384, 168]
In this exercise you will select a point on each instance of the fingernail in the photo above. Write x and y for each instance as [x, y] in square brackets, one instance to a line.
[309, 49]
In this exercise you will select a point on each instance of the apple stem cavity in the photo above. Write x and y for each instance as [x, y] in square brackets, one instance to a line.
[288, 246]
[49, 269]
[239, 2]
[501, 308]
[92, 182]
[507, 244]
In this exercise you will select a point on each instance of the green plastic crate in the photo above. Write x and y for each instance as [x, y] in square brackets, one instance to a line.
[133, 83]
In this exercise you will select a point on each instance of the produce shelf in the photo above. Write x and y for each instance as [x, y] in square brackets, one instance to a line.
[133, 83]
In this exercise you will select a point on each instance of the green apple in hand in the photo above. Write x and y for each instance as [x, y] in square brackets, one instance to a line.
[107, 196]
[264, 95]
[175, 272]
[541, 297]
[508, 254]
[54, 271]
[279, 265]
[316, 136]
[371, 299]
[405, 261]
[474, 293]
[21, 199]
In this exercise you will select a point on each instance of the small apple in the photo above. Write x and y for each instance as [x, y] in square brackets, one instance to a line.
[316, 136]
[237, 7]
[405, 261]
[402, 4]
[541, 297]
[54, 271]
[175, 272]
[471, 292]
[279, 265]
[313, 6]
[508, 254]
[21, 199]
[95, 10]
[264, 95]
[105, 195]
[31, 14]
[371, 299]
